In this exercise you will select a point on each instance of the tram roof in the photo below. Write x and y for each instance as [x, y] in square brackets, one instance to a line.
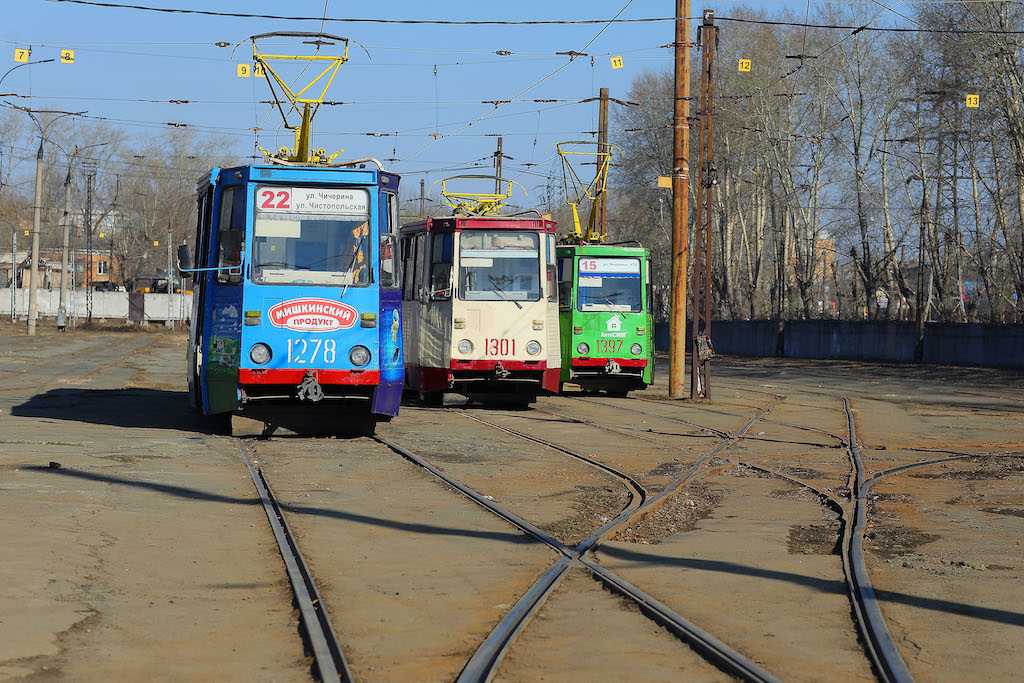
[305, 174]
[450, 223]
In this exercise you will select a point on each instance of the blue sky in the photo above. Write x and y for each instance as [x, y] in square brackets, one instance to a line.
[391, 83]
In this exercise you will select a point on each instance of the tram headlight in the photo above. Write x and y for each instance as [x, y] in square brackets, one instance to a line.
[260, 354]
[359, 355]
[533, 348]
[583, 348]
[636, 349]
[465, 346]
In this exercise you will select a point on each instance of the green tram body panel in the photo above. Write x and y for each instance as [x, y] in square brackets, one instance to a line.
[605, 303]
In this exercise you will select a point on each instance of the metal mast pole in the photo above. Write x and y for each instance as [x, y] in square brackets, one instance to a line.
[37, 219]
[680, 201]
[599, 224]
[702, 350]
[498, 156]
[423, 198]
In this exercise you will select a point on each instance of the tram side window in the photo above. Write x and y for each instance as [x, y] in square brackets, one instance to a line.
[408, 265]
[565, 283]
[441, 267]
[418, 285]
[388, 242]
[230, 236]
[549, 268]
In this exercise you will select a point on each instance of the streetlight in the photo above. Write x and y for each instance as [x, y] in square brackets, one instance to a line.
[18, 66]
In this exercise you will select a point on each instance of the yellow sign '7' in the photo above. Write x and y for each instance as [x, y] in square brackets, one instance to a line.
[22, 54]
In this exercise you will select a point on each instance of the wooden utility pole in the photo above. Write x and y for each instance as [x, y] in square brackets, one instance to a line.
[599, 222]
[702, 349]
[498, 156]
[680, 201]
[37, 220]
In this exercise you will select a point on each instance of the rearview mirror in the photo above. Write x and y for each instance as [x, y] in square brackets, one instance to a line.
[184, 259]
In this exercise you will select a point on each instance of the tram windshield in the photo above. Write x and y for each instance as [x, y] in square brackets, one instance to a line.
[499, 265]
[309, 236]
[610, 284]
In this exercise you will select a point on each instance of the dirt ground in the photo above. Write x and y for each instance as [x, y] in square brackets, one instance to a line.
[135, 548]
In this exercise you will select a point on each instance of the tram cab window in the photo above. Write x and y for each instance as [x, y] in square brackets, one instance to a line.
[231, 236]
[565, 283]
[499, 265]
[610, 284]
[313, 241]
[441, 266]
[389, 242]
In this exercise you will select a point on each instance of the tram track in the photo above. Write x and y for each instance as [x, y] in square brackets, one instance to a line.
[875, 637]
[485, 661]
[316, 629]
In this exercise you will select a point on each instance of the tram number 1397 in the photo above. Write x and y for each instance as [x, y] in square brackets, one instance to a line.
[310, 351]
[500, 347]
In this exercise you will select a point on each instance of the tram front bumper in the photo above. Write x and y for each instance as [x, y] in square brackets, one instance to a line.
[306, 384]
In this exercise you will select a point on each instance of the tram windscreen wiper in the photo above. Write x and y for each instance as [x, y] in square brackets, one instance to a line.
[499, 290]
[352, 264]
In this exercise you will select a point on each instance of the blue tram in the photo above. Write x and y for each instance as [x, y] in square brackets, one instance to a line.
[296, 296]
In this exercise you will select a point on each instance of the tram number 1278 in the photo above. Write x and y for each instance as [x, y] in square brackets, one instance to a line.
[500, 347]
[309, 351]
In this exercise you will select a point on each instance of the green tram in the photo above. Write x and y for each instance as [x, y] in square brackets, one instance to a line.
[605, 320]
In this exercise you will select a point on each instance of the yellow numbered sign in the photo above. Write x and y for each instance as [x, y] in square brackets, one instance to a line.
[746, 65]
[244, 70]
[973, 101]
[67, 56]
[22, 54]
[665, 182]
[257, 70]
[617, 62]
[156, 243]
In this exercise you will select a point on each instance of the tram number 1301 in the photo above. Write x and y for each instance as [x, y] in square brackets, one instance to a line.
[500, 347]
[310, 351]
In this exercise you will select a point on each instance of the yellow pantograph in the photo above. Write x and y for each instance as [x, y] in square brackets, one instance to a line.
[477, 203]
[304, 100]
[577, 191]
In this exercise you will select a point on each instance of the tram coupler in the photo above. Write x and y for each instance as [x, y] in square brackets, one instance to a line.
[612, 368]
[310, 389]
[500, 372]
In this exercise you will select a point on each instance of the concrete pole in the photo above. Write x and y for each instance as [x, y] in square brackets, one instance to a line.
[37, 220]
[62, 312]
[680, 201]
[14, 272]
[423, 198]
[170, 278]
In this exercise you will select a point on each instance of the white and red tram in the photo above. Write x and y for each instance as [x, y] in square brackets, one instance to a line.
[480, 302]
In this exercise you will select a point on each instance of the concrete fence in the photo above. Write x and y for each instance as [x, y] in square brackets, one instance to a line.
[123, 306]
[997, 346]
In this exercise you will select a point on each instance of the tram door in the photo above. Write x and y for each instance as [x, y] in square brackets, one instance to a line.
[222, 299]
[194, 356]
[435, 335]
[412, 281]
